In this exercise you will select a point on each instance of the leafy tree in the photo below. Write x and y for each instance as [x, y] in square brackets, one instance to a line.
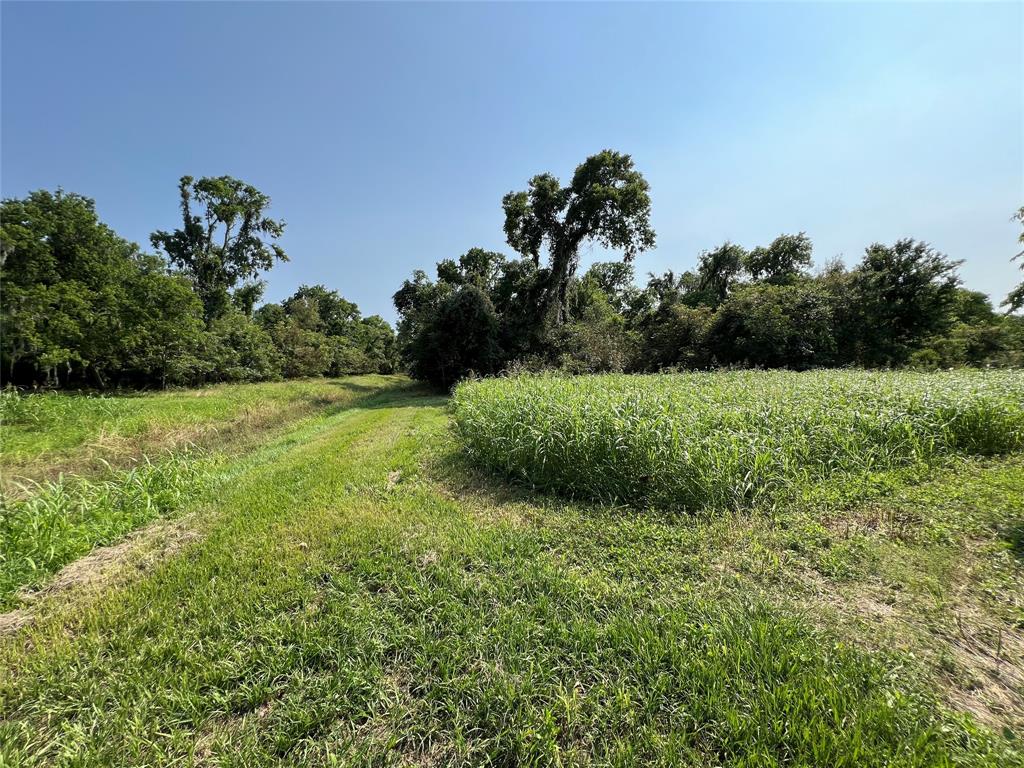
[514, 288]
[615, 280]
[337, 316]
[269, 315]
[1015, 299]
[517, 297]
[460, 337]
[475, 267]
[606, 202]
[59, 265]
[317, 317]
[242, 351]
[164, 334]
[68, 286]
[596, 338]
[774, 326]
[224, 239]
[978, 337]
[663, 291]
[903, 294]
[786, 259]
[376, 340]
[674, 337]
[717, 271]
[305, 352]
[416, 302]
[246, 296]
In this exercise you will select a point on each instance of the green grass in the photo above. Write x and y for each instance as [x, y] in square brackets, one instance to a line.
[358, 595]
[728, 440]
[50, 432]
[49, 523]
[63, 520]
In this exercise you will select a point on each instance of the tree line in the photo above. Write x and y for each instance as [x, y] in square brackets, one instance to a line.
[901, 304]
[82, 306]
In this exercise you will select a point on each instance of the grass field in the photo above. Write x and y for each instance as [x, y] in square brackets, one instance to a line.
[350, 590]
[48, 433]
[132, 459]
[727, 440]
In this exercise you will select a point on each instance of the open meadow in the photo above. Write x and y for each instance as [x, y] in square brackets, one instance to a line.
[737, 569]
[461, 385]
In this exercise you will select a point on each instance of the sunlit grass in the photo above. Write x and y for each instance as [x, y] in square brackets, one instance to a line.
[50, 522]
[77, 432]
[354, 595]
[58, 521]
[728, 439]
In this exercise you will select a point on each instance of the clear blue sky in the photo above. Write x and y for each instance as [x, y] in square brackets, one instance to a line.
[386, 134]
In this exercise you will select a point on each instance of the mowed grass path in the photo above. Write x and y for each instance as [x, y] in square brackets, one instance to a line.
[44, 434]
[132, 459]
[356, 596]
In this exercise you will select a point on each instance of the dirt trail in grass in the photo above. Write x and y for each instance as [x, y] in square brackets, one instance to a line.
[357, 596]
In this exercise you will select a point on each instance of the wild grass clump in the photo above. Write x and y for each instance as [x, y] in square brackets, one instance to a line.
[50, 408]
[62, 520]
[728, 439]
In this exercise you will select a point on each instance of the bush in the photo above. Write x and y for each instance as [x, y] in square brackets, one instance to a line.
[460, 338]
[242, 350]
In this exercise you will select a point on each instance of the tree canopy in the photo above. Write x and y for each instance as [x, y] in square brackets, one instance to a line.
[606, 202]
[83, 306]
[225, 237]
[1014, 301]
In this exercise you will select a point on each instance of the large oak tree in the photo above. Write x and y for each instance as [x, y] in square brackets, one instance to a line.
[606, 202]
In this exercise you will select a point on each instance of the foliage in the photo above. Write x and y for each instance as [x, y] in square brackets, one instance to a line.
[1015, 299]
[899, 305]
[729, 439]
[465, 314]
[317, 332]
[717, 273]
[240, 350]
[771, 325]
[674, 337]
[902, 294]
[81, 306]
[607, 202]
[595, 337]
[505, 294]
[786, 259]
[221, 241]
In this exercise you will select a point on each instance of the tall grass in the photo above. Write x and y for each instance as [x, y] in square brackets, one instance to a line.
[64, 519]
[728, 439]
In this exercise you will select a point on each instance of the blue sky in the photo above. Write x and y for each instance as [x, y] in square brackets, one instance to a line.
[386, 134]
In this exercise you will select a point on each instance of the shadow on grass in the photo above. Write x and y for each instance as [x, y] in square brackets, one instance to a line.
[1014, 536]
[455, 470]
[401, 394]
